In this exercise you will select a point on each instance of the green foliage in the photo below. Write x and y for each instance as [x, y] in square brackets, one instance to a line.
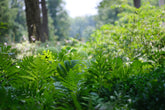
[60, 18]
[13, 19]
[121, 67]
[47, 55]
[8, 70]
[5, 18]
[82, 27]
[136, 35]
[2, 27]
[109, 10]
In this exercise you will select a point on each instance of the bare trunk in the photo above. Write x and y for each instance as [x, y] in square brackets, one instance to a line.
[45, 29]
[33, 20]
[137, 3]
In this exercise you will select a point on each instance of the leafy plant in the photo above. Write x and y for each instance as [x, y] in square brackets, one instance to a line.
[8, 70]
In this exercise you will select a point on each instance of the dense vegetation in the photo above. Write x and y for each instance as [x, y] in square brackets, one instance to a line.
[122, 67]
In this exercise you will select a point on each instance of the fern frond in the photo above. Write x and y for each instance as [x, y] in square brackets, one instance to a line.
[8, 71]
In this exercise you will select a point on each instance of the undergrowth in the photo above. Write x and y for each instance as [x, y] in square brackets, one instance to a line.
[122, 67]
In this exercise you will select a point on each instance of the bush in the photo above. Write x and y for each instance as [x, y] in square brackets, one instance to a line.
[121, 67]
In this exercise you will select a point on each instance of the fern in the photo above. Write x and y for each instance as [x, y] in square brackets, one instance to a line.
[99, 68]
[63, 69]
[36, 72]
[8, 70]
[69, 74]
[70, 80]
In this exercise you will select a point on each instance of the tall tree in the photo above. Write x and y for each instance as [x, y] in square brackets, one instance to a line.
[45, 29]
[4, 17]
[33, 20]
[7, 17]
[19, 24]
[60, 18]
[137, 3]
[108, 11]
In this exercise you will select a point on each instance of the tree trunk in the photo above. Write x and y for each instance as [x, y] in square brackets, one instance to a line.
[33, 20]
[45, 29]
[137, 3]
[161, 3]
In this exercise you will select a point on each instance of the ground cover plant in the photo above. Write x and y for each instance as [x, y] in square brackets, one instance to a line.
[122, 67]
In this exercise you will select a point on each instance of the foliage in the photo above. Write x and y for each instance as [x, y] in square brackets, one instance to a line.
[14, 20]
[129, 49]
[135, 36]
[121, 67]
[5, 18]
[82, 27]
[108, 10]
[7, 69]
[60, 18]
[19, 25]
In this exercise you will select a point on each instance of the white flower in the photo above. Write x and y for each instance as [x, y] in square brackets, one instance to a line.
[5, 43]
[18, 66]
[33, 38]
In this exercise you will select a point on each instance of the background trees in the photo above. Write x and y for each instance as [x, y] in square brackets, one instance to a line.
[8, 13]
[42, 17]
[60, 18]
[52, 21]
[82, 27]
[4, 18]
[109, 10]
[38, 25]
[19, 25]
